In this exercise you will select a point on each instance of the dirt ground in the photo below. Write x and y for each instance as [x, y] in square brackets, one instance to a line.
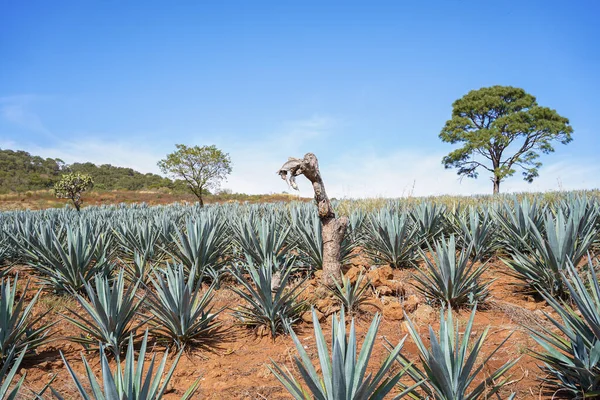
[236, 368]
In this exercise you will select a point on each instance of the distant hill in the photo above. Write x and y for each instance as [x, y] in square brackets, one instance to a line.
[22, 172]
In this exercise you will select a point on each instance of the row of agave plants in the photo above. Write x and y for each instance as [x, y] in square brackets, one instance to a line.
[159, 266]
[535, 239]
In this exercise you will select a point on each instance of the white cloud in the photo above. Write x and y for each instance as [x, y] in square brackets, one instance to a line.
[17, 110]
[418, 172]
[255, 162]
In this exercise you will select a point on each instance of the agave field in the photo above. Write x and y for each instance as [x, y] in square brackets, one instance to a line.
[494, 297]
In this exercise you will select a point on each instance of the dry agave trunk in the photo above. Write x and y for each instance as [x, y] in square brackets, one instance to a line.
[334, 228]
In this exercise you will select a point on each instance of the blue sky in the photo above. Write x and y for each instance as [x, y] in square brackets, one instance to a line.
[366, 86]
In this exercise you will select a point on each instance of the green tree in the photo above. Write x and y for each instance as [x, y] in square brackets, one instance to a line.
[501, 128]
[202, 168]
[71, 186]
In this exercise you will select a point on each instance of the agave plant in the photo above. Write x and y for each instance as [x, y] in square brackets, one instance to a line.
[391, 238]
[476, 229]
[542, 265]
[516, 222]
[19, 329]
[450, 363]
[139, 238]
[344, 375]
[108, 315]
[202, 244]
[571, 354]
[582, 208]
[271, 302]
[263, 238]
[7, 375]
[351, 295]
[132, 381]
[429, 219]
[451, 280]
[182, 313]
[6, 252]
[69, 263]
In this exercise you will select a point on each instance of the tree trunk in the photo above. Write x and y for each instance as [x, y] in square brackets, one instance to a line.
[496, 185]
[198, 194]
[76, 199]
[334, 228]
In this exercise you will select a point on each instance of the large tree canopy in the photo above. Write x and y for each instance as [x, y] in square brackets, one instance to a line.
[501, 128]
[201, 168]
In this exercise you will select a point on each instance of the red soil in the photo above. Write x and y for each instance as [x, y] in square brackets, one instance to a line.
[237, 367]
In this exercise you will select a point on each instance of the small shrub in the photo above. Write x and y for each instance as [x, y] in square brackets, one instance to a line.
[72, 185]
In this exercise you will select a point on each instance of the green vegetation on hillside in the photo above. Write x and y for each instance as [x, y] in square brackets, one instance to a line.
[22, 172]
[109, 177]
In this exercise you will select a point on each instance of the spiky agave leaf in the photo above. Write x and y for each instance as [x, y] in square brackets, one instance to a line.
[351, 295]
[451, 280]
[108, 313]
[7, 374]
[571, 353]
[268, 303]
[450, 364]
[344, 373]
[132, 381]
[19, 329]
[182, 313]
